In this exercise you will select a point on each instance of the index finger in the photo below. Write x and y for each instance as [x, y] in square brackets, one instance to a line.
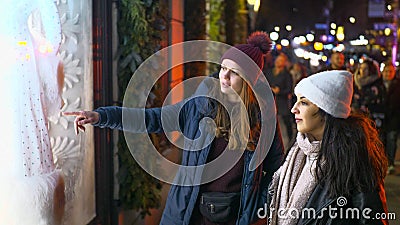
[73, 113]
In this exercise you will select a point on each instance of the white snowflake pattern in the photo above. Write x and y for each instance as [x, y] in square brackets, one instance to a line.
[61, 1]
[66, 153]
[71, 69]
[62, 120]
[70, 27]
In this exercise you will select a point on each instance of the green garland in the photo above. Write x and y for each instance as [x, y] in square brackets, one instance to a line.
[140, 28]
[216, 23]
[242, 22]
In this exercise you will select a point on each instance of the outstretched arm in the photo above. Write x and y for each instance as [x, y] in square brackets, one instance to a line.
[136, 120]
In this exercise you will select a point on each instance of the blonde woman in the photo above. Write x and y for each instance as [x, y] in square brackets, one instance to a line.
[241, 191]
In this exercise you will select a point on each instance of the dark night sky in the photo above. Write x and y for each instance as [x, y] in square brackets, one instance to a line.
[303, 14]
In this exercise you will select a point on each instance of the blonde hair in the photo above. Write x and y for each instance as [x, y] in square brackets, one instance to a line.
[235, 130]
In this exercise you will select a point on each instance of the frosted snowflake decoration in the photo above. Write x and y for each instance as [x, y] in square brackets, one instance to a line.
[66, 153]
[72, 70]
[62, 120]
[70, 27]
[61, 1]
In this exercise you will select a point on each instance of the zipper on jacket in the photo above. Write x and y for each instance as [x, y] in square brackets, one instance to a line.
[240, 212]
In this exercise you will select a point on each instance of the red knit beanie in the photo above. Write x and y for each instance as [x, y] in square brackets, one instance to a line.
[258, 44]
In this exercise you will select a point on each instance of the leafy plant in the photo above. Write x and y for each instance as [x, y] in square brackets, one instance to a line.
[140, 28]
[216, 23]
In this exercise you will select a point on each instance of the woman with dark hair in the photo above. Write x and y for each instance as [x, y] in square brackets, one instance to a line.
[236, 195]
[334, 173]
[369, 91]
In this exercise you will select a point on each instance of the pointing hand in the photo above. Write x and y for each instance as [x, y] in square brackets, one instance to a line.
[82, 118]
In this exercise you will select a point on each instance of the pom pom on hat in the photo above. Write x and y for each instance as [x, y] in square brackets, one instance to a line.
[258, 44]
[261, 40]
[331, 91]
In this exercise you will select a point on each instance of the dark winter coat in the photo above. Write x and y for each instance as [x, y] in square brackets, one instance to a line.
[392, 106]
[284, 81]
[370, 100]
[372, 204]
[181, 200]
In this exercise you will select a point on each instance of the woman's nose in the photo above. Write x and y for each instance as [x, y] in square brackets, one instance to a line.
[294, 109]
[225, 74]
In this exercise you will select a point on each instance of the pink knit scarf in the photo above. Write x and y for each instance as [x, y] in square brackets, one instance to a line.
[294, 182]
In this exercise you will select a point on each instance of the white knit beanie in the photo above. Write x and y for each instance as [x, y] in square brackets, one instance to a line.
[331, 91]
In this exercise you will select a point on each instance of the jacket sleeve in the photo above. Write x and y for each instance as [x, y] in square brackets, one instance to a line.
[275, 155]
[136, 120]
[372, 206]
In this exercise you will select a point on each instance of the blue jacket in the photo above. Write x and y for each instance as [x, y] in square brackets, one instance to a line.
[182, 198]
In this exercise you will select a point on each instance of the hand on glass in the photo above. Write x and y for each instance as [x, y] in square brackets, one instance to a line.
[82, 118]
